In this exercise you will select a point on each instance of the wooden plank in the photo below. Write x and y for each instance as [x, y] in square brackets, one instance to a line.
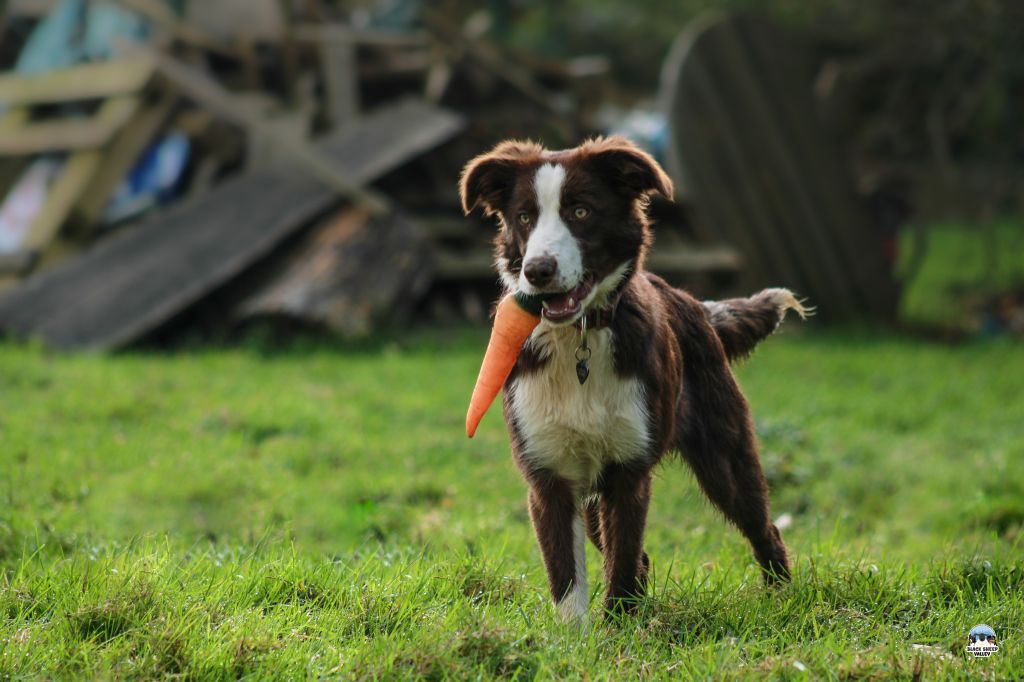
[88, 81]
[70, 134]
[761, 171]
[854, 239]
[788, 214]
[347, 274]
[725, 202]
[71, 183]
[341, 78]
[246, 49]
[342, 33]
[74, 177]
[204, 89]
[11, 169]
[341, 82]
[486, 56]
[17, 263]
[699, 153]
[134, 281]
[13, 119]
[9, 282]
[164, 17]
[224, 20]
[716, 160]
[278, 123]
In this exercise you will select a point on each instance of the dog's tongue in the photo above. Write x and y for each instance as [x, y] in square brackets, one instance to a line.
[562, 307]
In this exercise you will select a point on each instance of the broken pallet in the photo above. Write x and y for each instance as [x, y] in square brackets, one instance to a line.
[347, 274]
[100, 148]
[129, 284]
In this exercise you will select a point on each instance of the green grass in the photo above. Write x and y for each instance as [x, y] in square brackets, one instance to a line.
[317, 512]
[963, 268]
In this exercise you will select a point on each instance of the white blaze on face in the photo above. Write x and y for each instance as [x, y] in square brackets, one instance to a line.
[551, 237]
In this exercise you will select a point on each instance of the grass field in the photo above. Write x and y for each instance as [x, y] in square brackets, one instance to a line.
[316, 511]
[962, 268]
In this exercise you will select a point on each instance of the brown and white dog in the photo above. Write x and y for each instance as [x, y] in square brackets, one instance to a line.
[573, 226]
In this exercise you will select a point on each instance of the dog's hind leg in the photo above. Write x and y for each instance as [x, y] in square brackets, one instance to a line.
[730, 475]
[716, 437]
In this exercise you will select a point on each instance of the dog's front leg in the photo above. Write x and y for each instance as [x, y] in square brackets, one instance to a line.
[562, 538]
[625, 497]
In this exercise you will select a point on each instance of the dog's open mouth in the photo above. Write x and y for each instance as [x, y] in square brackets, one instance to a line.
[565, 306]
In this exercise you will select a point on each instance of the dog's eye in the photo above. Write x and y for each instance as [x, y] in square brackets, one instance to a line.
[524, 218]
[581, 212]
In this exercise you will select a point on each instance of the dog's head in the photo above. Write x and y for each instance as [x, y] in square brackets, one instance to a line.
[573, 223]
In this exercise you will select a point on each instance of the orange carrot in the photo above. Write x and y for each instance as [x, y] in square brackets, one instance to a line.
[514, 320]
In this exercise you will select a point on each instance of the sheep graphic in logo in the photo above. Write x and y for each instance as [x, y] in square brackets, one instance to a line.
[981, 641]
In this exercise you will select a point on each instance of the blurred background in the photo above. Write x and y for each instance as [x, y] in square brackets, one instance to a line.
[179, 167]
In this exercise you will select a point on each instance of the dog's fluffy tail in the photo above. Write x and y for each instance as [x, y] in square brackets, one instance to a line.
[742, 323]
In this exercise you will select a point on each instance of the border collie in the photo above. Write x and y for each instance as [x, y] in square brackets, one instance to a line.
[622, 368]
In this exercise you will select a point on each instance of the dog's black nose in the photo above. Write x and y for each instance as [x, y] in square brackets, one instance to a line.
[540, 270]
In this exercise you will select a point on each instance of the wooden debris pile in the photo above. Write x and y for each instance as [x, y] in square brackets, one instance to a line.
[166, 161]
[254, 161]
[132, 282]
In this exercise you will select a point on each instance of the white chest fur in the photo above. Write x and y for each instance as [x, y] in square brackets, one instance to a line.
[576, 430]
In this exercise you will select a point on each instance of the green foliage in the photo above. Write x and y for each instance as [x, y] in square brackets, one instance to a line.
[315, 511]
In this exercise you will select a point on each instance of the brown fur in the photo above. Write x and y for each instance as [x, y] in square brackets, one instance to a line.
[676, 347]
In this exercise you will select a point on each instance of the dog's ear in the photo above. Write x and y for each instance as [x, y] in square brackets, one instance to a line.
[628, 166]
[488, 179]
